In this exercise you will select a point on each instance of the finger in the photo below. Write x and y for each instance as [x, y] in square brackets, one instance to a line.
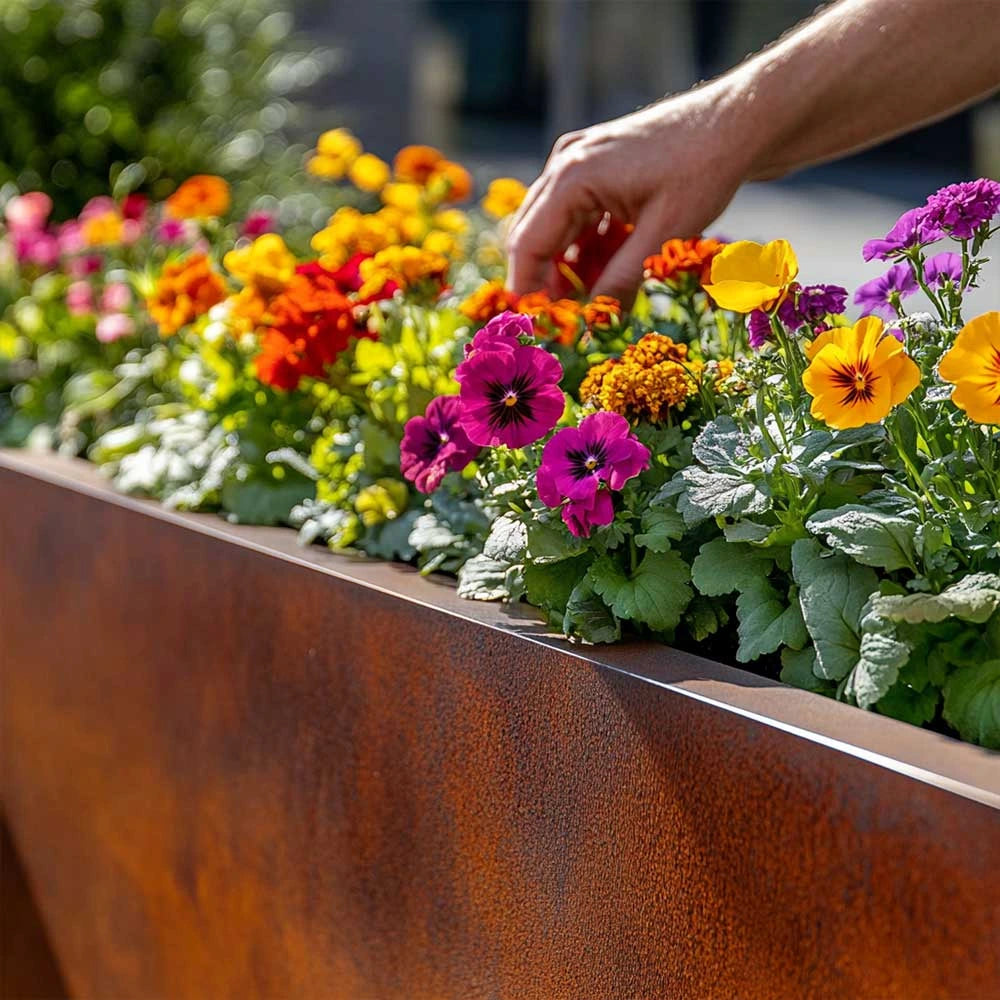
[542, 181]
[547, 229]
[623, 274]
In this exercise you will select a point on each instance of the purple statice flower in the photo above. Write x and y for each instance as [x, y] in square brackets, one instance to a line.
[580, 464]
[912, 229]
[960, 209]
[510, 396]
[943, 267]
[502, 333]
[880, 296]
[758, 329]
[435, 444]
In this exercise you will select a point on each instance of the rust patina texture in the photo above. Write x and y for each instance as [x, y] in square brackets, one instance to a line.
[237, 769]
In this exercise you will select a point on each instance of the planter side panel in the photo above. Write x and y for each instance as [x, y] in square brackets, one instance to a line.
[232, 775]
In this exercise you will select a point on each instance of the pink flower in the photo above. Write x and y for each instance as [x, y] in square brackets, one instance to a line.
[70, 235]
[134, 207]
[84, 265]
[116, 297]
[80, 298]
[28, 212]
[258, 223]
[173, 231]
[510, 397]
[580, 464]
[502, 333]
[114, 326]
[36, 247]
[435, 444]
[101, 205]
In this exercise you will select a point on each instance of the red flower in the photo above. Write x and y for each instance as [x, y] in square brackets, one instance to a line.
[581, 263]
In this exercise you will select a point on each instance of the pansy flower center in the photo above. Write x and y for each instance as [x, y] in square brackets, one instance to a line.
[510, 402]
[585, 462]
[857, 381]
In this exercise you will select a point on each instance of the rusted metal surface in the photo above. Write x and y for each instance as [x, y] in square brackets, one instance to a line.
[238, 769]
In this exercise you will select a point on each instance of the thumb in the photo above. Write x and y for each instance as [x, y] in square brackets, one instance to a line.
[623, 274]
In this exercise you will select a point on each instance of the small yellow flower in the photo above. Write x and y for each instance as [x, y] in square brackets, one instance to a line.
[451, 220]
[404, 196]
[857, 374]
[350, 232]
[267, 264]
[438, 241]
[503, 197]
[747, 276]
[103, 230]
[972, 365]
[369, 173]
[339, 143]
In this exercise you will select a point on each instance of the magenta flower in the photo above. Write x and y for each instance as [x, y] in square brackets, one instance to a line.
[912, 229]
[114, 326]
[435, 444]
[257, 223]
[37, 247]
[173, 231]
[83, 265]
[960, 209]
[580, 464]
[80, 298]
[134, 207]
[943, 267]
[510, 396]
[502, 333]
[70, 236]
[28, 213]
[881, 296]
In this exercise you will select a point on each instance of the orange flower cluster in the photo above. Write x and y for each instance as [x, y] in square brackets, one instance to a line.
[203, 196]
[185, 290]
[602, 313]
[311, 323]
[427, 166]
[680, 257]
[652, 377]
[555, 319]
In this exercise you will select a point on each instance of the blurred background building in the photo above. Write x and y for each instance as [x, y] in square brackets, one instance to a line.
[140, 91]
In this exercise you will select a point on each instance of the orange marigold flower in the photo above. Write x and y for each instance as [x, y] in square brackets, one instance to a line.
[311, 323]
[682, 256]
[417, 163]
[450, 182]
[203, 196]
[602, 313]
[652, 377]
[555, 319]
[185, 290]
[487, 301]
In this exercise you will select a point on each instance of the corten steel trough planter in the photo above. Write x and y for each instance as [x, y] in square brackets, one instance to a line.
[233, 767]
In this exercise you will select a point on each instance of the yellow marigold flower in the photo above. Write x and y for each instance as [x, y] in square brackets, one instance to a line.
[248, 309]
[451, 220]
[369, 173]
[857, 374]
[336, 150]
[487, 301]
[438, 241]
[404, 265]
[503, 197]
[406, 197]
[652, 377]
[747, 276]
[203, 196]
[266, 263]
[972, 365]
[103, 230]
[602, 313]
[350, 232]
[329, 168]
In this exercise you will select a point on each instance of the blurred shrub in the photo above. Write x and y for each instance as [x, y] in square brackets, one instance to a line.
[140, 94]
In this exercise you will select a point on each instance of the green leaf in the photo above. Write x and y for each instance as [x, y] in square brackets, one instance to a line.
[871, 537]
[833, 590]
[722, 567]
[391, 539]
[902, 701]
[655, 594]
[880, 657]
[660, 525]
[973, 599]
[263, 500]
[704, 617]
[550, 541]
[972, 703]
[721, 445]
[767, 622]
[483, 579]
[588, 617]
[507, 540]
[798, 669]
[549, 585]
[718, 494]
[429, 533]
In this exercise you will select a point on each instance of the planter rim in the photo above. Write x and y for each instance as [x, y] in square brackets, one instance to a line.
[932, 758]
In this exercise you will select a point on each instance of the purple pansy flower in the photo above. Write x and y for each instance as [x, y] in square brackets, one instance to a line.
[880, 296]
[510, 396]
[502, 333]
[578, 462]
[943, 267]
[962, 208]
[435, 444]
[912, 229]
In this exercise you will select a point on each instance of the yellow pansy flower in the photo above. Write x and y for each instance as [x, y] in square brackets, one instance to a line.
[503, 197]
[369, 173]
[972, 365]
[747, 276]
[857, 374]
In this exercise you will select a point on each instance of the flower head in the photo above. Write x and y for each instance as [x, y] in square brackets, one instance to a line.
[80, 298]
[511, 397]
[114, 326]
[257, 223]
[435, 444]
[579, 463]
[266, 263]
[602, 313]
[449, 182]
[402, 267]
[336, 150]
[972, 365]
[203, 196]
[503, 197]
[942, 269]
[502, 333]
[416, 163]
[759, 330]
[912, 229]
[679, 257]
[185, 290]
[857, 374]
[487, 301]
[28, 212]
[960, 209]
[556, 319]
[747, 276]
[881, 296]
[369, 173]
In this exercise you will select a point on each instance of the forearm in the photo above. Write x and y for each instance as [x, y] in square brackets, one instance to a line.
[858, 73]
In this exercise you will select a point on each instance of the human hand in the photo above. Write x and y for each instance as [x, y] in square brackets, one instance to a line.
[669, 169]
